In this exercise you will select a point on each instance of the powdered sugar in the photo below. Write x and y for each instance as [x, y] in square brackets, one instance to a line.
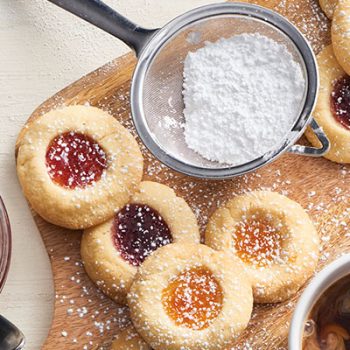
[241, 96]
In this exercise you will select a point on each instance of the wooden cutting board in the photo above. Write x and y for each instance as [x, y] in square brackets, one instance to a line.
[83, 316]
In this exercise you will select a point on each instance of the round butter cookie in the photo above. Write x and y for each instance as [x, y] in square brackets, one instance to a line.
[273, 237]
[153, 217]
[77, 165]
[341, 34]
[185, 297]
[129, 339]
[328, 7]
[332, 111]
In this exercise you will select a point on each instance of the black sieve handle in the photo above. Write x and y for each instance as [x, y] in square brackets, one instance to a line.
[102, 16]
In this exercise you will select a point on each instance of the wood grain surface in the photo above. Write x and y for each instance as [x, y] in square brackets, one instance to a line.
[84, 317]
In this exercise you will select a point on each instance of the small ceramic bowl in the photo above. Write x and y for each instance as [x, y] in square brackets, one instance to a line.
[5, 244]
[337, 270]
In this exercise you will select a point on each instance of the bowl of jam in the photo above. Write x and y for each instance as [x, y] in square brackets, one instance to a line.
[321, 320]
[5, 244]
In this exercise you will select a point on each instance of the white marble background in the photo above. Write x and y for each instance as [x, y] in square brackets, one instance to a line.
[43, 49]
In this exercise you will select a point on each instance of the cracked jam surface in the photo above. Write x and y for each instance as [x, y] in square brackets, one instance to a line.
[193, 299]
[75, 160]
[340, 101]
[138, 230]
[257, 241]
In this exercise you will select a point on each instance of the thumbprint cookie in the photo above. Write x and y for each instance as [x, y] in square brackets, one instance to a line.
[185, 297]
[332, 111]
[341, 34]
[129, 339]
[273, 237]
[328, 7]
[77, 165]
[153, 217]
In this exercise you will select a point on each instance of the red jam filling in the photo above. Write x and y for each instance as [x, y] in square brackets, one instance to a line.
[75, 160]
[193, 299]
[139, 230]
[340, 101]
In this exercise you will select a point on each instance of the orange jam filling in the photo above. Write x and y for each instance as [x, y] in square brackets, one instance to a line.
[193, 299]
[258, 241]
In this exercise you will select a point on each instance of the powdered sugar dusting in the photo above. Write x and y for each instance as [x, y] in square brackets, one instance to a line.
[241, 96]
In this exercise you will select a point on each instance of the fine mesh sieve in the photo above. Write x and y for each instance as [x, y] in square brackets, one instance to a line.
[156, 91]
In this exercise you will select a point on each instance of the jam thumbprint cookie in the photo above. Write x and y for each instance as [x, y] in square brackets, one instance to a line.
[328, 7]
[129, 339]
[332, 111]
[274, 238]
[153, 217]
[77, 165]
[340, 34]
[185, 297]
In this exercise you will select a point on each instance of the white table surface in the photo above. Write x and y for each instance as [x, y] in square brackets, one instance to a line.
[43, 49]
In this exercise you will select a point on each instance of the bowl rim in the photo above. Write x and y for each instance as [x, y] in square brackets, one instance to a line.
[6, 247]
[162, 36]
[318, 285]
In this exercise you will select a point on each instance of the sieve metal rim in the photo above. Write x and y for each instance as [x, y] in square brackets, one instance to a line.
[163, 35]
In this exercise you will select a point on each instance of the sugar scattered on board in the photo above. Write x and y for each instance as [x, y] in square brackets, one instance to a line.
[242, 96]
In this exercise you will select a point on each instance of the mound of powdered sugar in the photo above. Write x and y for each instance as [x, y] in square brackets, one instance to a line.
[241, 95]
